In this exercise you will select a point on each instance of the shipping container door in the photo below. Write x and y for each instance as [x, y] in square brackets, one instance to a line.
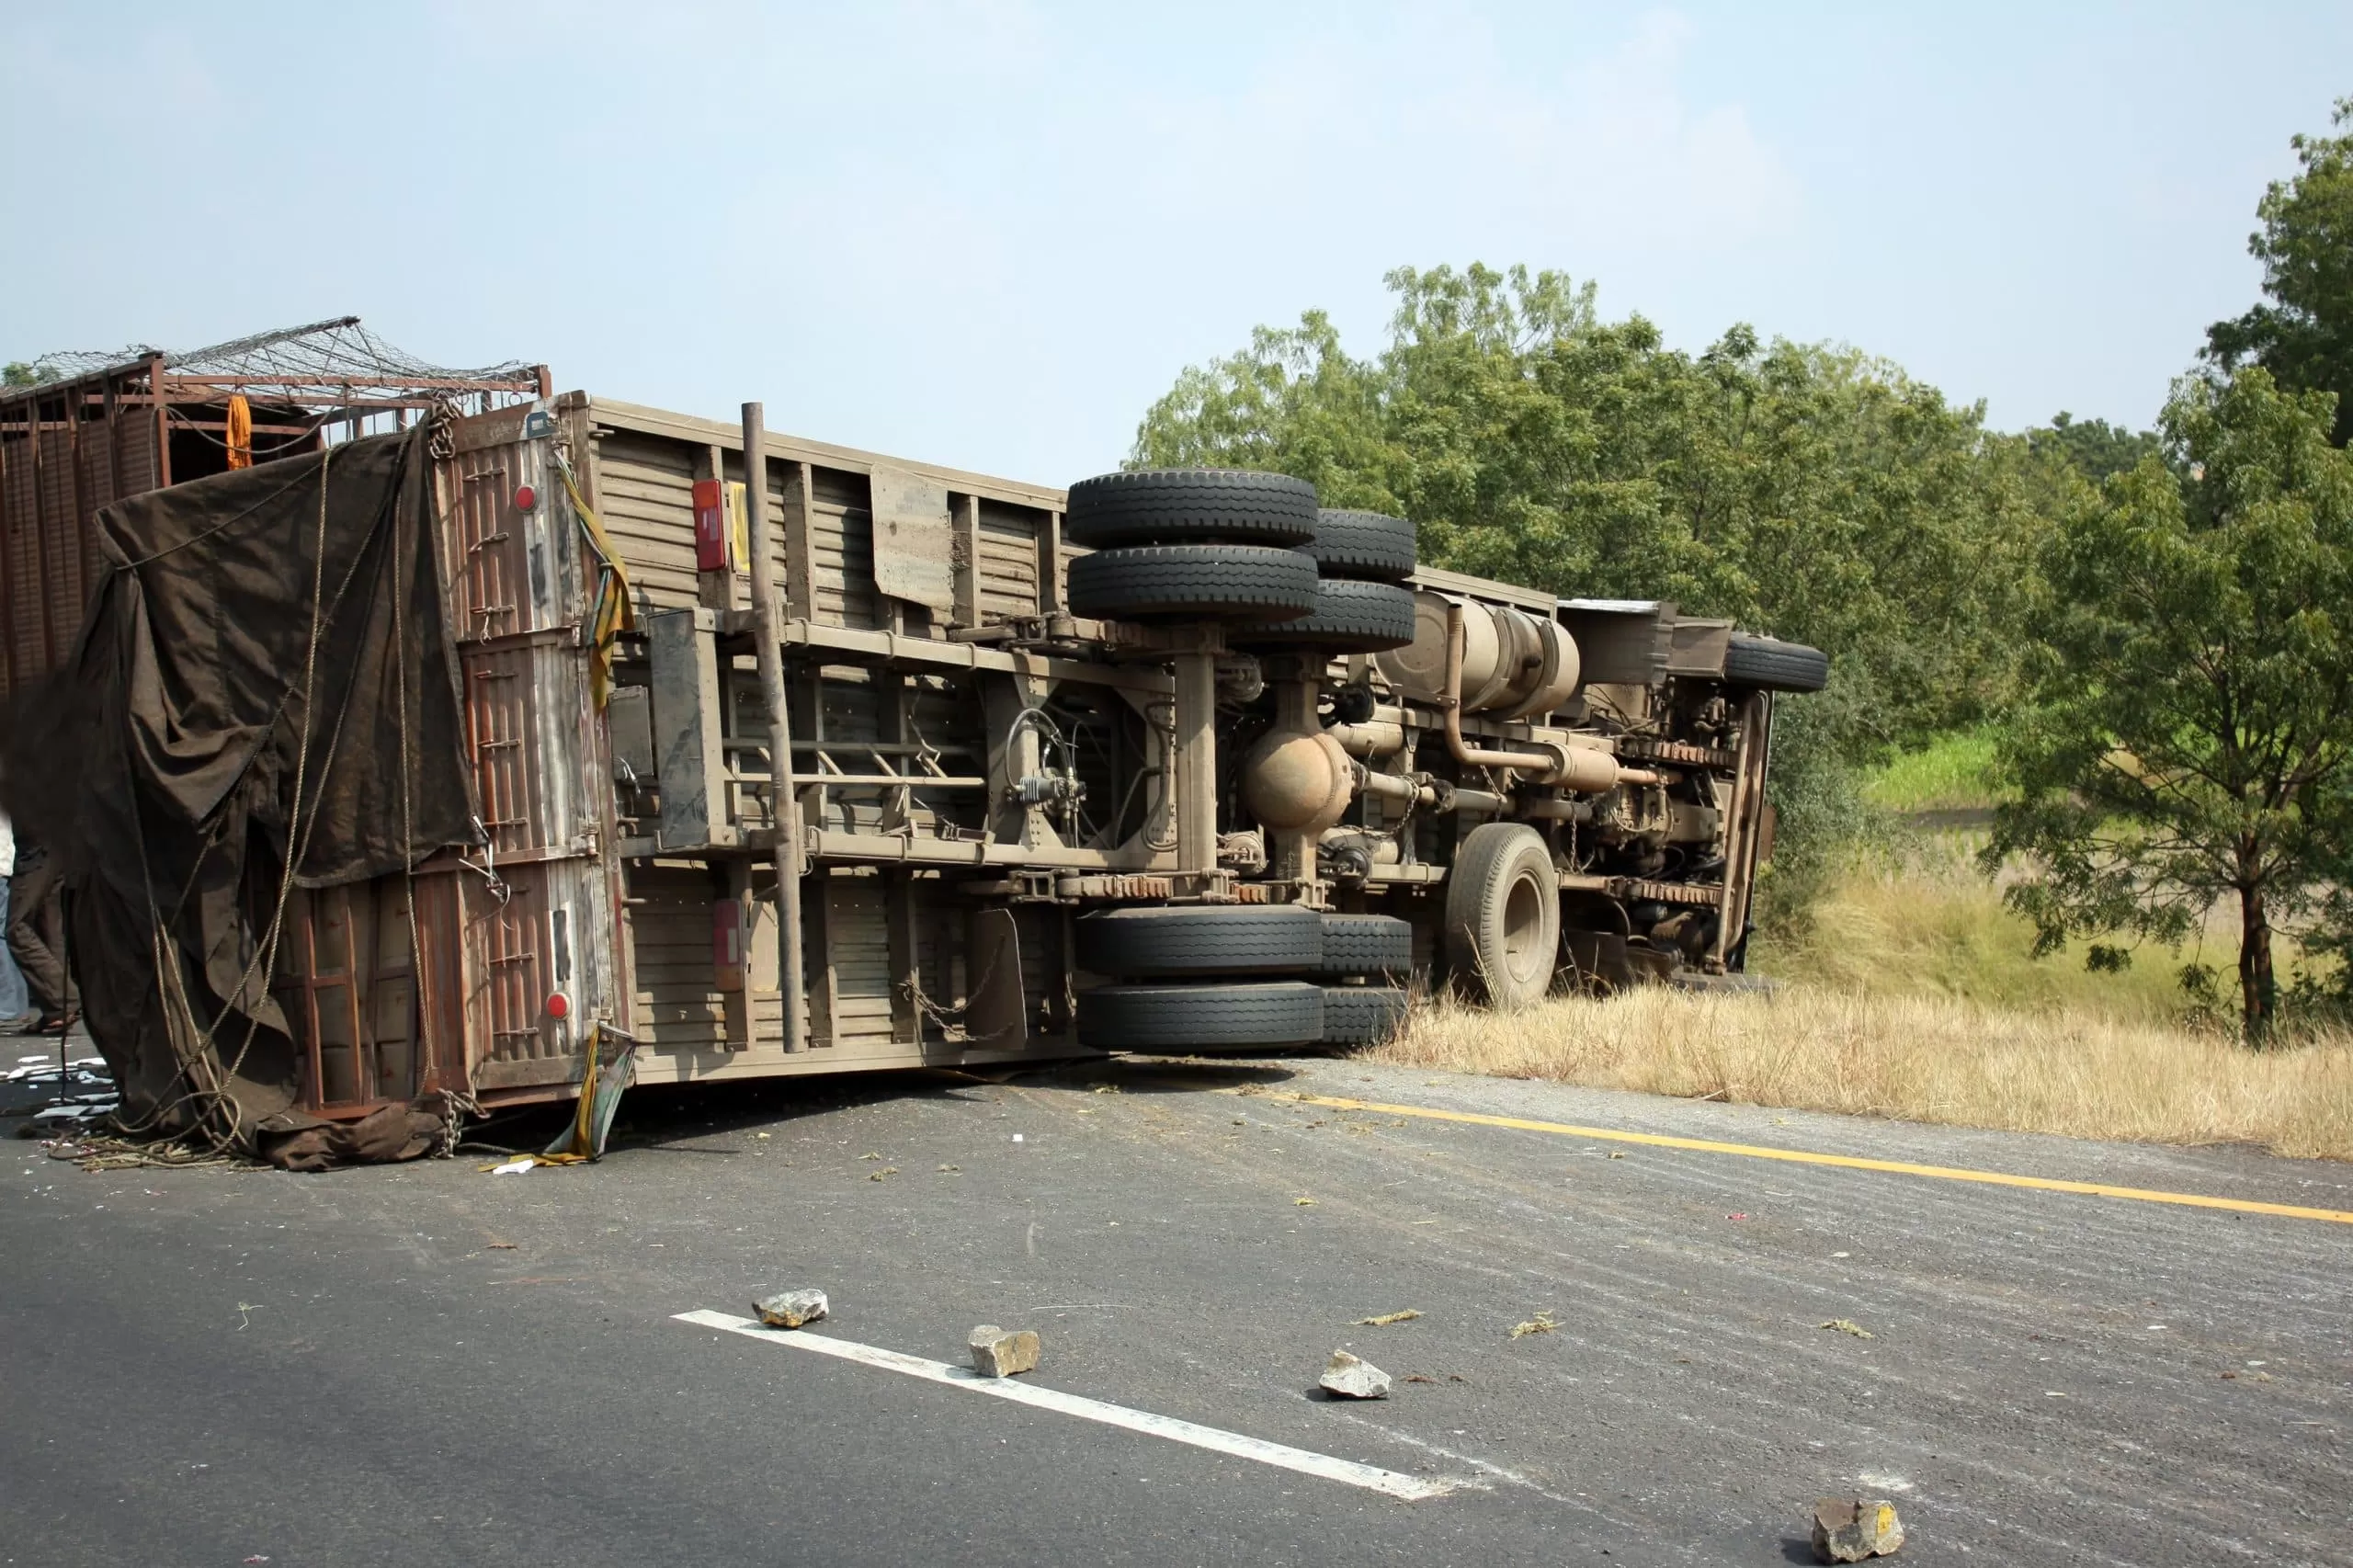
[539, 965]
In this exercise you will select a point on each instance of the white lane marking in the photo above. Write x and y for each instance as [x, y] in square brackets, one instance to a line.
[1412, 1489]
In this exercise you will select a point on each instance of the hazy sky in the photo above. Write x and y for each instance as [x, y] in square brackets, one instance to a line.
[990, 233]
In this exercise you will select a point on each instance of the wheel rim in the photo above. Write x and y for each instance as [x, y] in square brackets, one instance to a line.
[1525, 949]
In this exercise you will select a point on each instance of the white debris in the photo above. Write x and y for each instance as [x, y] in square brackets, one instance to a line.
[1353, 1378]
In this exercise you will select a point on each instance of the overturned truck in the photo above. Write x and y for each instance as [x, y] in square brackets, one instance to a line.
[828, 761]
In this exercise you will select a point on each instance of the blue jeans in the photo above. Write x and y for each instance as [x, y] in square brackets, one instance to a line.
[14, 1000]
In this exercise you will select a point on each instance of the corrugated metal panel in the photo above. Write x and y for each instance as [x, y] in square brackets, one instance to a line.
[644, 498]
[512, 973]
[20, 535]
[502, 724]
[354, 1002]
[679, 1006]
[548, 924]
[1008, 566]
[857, 977]
[63, 525]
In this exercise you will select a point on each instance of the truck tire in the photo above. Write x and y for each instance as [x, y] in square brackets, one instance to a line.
[1363, 546]
[1367, 944]
[1768, 664]
[1503, 914]
[1183, 941]
[1363, 1015]
[1201, 1018]
[1190, 506]
[1230, 581]
[1348, 617]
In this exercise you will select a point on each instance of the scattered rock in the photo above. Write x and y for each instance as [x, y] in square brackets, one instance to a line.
[791, 1309]
[997, 1354]
[1848, 1530]
[1353, 1378]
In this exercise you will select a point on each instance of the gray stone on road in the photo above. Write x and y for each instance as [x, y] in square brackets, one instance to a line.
[1352, 1377]
[791, 1309]
[1851, 1530]
[999, 1354]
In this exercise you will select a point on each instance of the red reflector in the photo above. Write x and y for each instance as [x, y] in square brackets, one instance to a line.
[557, 1005]
[525, 498]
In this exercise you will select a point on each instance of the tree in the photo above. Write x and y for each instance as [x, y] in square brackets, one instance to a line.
[2189, 734]
[1809, 491]
[2303, 335]
[2093, 448]
[16, 374]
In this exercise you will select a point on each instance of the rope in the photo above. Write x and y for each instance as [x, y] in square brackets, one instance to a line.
[612, 613]
[408, 825]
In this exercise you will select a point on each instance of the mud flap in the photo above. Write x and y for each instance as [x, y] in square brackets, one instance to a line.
[996, 1014]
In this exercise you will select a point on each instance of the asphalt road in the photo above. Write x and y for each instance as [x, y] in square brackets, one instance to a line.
[427, 1364]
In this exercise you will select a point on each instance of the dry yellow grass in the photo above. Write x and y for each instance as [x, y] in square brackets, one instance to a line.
[1916, 1058]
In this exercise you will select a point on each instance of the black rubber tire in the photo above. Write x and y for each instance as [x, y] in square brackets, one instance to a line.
[1363, 1015]
[1367, 944]
[1182, 1018]
[1503, 914]
[1363, 546]
[1768, 664]
[1190, 506]
[1230, 581]
[1348, 617]
[1190, 940]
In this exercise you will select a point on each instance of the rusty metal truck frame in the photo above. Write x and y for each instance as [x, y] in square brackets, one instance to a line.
[870, 686]
[972, 769]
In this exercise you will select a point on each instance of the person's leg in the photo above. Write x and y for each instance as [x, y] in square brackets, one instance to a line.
[15, 1001]
[35, 932]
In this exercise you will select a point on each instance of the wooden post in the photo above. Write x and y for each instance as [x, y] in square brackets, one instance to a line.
[1049, 566]
[771, 658]
[156, 395]
[964, 551]
[800, 542]
[44, 577]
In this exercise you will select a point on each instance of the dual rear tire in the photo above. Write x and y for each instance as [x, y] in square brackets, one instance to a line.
[1204, 978]
[1248, 547]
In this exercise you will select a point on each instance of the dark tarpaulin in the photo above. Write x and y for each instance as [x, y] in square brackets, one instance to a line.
[162, 764]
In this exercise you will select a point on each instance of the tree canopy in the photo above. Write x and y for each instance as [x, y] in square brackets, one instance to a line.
[2188, 736]
[2302, 334]
[1809, 491]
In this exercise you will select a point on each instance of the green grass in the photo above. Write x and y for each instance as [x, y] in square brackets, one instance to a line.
[1955, 772]
[1925, 921]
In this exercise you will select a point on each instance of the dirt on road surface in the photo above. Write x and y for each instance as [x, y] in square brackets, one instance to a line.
[431, 1364]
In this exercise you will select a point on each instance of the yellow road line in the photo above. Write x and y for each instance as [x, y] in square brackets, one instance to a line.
[1847, 1162]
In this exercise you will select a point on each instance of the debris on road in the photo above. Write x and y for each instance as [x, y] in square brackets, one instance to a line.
[791, 1309]
[1540, 1323]
[1385, 1319]
[997, 1354]
[1352, 1377]
[884, 1174]
[1847, 1325]
[1851, 1530]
